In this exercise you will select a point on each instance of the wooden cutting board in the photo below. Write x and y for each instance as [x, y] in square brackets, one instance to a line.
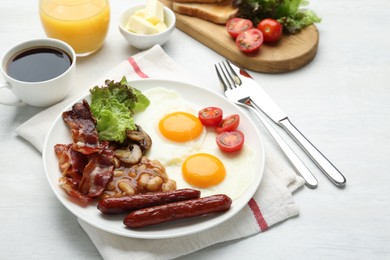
[290, 53]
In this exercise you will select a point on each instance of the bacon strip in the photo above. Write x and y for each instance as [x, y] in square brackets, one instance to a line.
[71, 162]
[98, 172]
[83, 128]
[71, 189]
[85, 176]
[87, 165]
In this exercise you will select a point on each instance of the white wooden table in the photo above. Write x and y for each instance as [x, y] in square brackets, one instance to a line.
[340, 101]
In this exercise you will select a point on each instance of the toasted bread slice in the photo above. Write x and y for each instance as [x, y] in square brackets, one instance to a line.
[199, 1]
[218, 13]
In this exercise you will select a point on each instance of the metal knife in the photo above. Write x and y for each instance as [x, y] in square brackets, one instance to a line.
[273, 111]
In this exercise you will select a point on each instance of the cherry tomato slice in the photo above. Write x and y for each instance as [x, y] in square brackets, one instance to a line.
[231, 141]
[250, 40]
[229, 123]
[271, 29]
[237, 25]
[210, 116]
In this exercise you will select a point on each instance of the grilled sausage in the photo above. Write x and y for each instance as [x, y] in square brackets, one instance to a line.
[114, 205]
[177, 210]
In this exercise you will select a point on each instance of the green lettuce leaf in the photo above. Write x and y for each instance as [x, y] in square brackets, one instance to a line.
[113, 106]
[288, 12]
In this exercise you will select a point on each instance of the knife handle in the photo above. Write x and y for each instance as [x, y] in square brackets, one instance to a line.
[322, 162]
[299, 166]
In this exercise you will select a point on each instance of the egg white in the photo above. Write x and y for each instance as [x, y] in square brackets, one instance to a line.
[163, 102]
[240, 171]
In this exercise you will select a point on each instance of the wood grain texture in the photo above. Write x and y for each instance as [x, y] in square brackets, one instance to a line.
[290, 53]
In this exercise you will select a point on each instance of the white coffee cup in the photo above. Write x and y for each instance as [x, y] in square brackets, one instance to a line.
[42, 93]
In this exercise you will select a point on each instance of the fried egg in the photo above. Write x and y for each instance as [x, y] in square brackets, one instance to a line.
[166, 113]
[188, 150]
[238, 166]
[211, 173]
[180, 126]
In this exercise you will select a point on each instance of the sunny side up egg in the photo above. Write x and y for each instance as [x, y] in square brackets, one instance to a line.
[194, 161]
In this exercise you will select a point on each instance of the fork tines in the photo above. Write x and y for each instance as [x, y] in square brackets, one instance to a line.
[224, 75]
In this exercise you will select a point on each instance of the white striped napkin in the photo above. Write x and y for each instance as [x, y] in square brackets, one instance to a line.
[272, 203]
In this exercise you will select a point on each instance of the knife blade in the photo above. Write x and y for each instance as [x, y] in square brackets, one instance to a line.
[268, 106]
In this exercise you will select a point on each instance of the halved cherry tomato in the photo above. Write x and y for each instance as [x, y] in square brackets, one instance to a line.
[250, 40]
[271, 29]
[229, 123]
[237, 25]
[210, 116]
[231, 141]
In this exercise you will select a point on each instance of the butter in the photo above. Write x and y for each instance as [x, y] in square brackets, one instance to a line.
[149, 20]
[161, 26]
[154, 11]
[139, 25]
[140, 13]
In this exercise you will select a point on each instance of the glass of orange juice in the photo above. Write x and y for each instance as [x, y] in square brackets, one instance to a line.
[83, 24]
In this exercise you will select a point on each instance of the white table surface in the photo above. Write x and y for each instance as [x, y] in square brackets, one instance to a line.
[340, 101]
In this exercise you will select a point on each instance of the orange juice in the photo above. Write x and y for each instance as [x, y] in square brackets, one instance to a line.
[83, 24]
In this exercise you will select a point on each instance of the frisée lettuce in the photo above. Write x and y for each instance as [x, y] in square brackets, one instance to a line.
[288, 12]
[113, 106]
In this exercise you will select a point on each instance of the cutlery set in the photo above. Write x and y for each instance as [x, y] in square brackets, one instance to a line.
[240, 88]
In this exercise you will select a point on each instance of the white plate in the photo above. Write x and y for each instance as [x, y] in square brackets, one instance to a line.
[59, 133]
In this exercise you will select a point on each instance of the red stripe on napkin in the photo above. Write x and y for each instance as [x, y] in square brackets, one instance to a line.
[137, 69]
[259, 217]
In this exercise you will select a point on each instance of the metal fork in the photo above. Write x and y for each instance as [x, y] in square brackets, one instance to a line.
[238, 94]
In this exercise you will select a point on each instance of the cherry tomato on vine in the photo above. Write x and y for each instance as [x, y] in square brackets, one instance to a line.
[231, 141]
[271, 29]
[250, 40]
[237, 25]
[210, 116]
[229, 123]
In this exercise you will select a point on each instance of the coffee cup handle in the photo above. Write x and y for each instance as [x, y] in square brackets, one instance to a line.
[5, 85]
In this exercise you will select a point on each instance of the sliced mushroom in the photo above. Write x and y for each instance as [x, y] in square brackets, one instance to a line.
[131, 155]
[135, 135]
[141, 138]
[146, 143]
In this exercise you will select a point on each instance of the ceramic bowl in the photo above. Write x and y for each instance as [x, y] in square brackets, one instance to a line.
[142, 41]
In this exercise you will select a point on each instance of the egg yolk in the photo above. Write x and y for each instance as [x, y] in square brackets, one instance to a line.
[203, 170]
[180, 126]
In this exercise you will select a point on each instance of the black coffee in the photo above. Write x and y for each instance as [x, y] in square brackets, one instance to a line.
[38, 64]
